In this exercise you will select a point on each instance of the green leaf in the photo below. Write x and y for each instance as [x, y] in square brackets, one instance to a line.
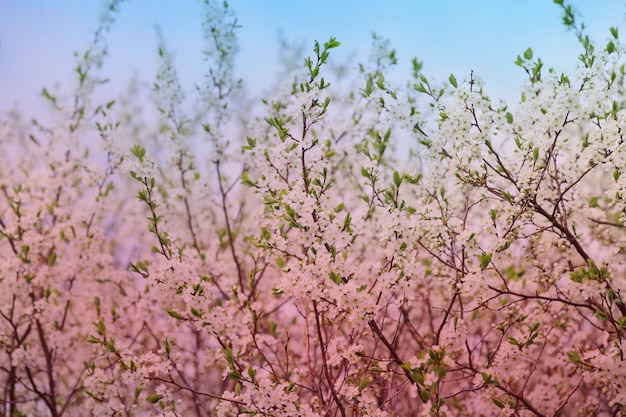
[235, 375]
[52, 259]
[336, 278]
[230, 358]
[485, 260]
[601, 315]
[610, 47]
[364, 382]
[100, 326]
[347, 222]
[332, 43]
[96, 301]
[452, 80]
[509, 117]
[420, 88]
[578, 276]
[139, 152]
[498, 403]
[493, 213]
[528, 54]
[245, 180]
[397, 179]
[49, 96]
[574, 357]
[175, 315]
[154, 398]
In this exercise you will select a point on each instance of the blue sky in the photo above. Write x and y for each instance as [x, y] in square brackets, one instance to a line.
[38, 38]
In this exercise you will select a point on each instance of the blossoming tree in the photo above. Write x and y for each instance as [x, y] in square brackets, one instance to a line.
[295, 264]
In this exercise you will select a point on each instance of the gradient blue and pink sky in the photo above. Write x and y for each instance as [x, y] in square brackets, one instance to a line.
[38, 38]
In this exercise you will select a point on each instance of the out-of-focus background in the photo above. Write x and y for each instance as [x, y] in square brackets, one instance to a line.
[38, 39]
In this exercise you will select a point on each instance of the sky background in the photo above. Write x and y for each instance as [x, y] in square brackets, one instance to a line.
[38, 38]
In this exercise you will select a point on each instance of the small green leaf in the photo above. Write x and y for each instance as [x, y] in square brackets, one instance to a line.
[139, 152]
[52, 259]
[230, 358]
[397, 179]
[245, 180]
[96, 301]
[332, 43]
[485, 260]
[493, 213]
[528, 54]
[175, 315]
[336, 278]
[452, 80]
[577, 276]
[601, 315]
[420, 88]
[49, 96]
[574, 357]
[610, 47]
[364, 383]
[509, 117]
[498, 403]
[235, 375]
[154, 398]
